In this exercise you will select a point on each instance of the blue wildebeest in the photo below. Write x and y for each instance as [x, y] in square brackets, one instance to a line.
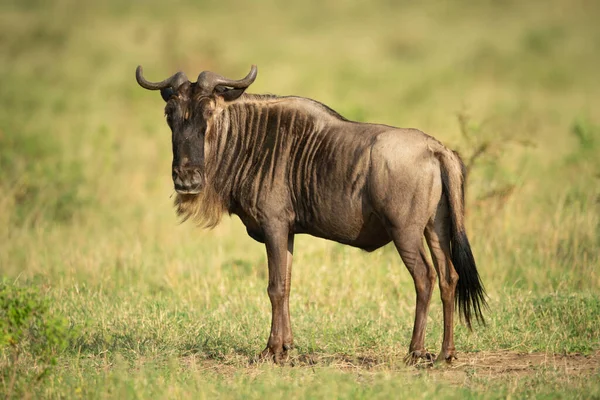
[288, 165]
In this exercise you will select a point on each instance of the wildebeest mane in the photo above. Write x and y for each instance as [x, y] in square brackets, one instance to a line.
[325, 107]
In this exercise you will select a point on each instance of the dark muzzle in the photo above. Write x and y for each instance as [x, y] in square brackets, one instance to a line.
[187, 180]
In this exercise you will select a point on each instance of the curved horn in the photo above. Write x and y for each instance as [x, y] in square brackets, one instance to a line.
[209, 80]
[172, 82]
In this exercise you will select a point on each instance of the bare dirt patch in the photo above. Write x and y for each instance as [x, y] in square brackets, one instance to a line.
[514, 362]
[498, 364]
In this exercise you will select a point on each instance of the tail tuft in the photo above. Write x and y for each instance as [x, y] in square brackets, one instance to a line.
[470, 294]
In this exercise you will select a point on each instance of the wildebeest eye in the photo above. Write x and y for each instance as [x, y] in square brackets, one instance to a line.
[166, 93]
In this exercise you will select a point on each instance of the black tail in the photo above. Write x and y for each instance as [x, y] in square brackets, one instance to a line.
[470, 293]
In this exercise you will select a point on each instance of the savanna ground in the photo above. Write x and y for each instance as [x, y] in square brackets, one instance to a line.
[114, 299]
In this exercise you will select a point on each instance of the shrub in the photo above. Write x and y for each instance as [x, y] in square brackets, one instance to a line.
[30, 335]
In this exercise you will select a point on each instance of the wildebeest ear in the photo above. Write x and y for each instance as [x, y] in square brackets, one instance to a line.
[166, 93]
[231, 94]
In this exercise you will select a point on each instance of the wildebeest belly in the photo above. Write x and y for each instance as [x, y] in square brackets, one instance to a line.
[366, 232]
[345, 226]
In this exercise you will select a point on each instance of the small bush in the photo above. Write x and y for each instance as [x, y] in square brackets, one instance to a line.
[30, 335]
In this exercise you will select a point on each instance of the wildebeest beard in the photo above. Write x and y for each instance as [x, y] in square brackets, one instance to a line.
[205, 208]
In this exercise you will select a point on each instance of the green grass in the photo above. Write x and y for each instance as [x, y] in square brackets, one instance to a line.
[160, 310]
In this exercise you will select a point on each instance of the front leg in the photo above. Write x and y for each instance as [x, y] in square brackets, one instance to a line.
[280, 246]
[288, 338]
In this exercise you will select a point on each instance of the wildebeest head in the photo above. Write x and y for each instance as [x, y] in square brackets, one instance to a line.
[190, 105]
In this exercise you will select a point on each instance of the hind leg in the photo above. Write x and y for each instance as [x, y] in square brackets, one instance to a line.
[437, 234]
[410, 246]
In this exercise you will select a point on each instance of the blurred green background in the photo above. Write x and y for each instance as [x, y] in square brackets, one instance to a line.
[86, 216]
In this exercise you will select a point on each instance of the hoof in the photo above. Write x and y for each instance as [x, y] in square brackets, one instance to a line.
[420, 358]
[276, 354]
[448, 357]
